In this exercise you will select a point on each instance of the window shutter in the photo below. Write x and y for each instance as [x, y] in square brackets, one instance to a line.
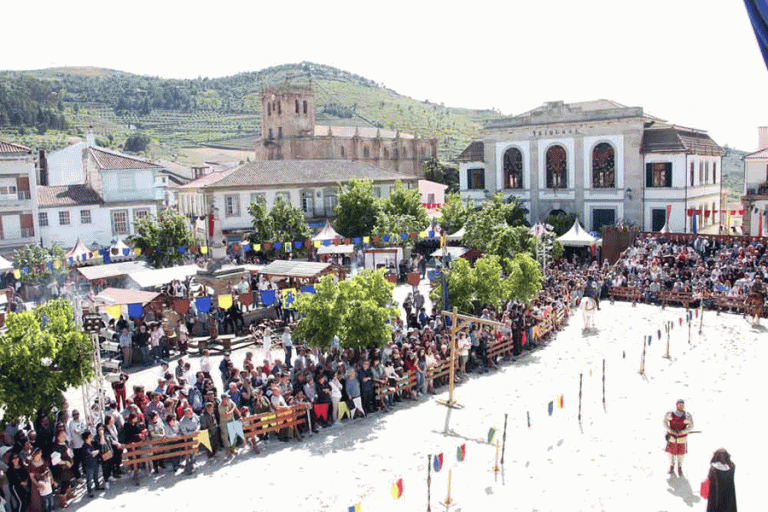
[668, 174]
[648, 175]
[469, 179]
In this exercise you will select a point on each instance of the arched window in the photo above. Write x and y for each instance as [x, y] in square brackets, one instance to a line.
[557, 168]
[513, 168]
[297, 106]
[395, 154]
[423, 153]
[366, 152]
[342, 151]
[386, 153]
[405, 154]
[603, 166]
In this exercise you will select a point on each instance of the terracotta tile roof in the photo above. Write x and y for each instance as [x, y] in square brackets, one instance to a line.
[9, 148]
[757, 155]
[475, 152]
[290, 173]
[66, 195]
[112, 160]
[208, 179]
[675, 139]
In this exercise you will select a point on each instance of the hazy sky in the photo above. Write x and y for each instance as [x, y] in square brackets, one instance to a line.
[691, 62]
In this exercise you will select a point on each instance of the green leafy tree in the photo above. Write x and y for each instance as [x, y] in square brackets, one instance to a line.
[283, 223]
[136, 143]
[35, 259]
[524, 278]
[42, 354]
[493, 216]
[454, 213]
[440, 172]
[160, 238]
[491, 281]
[508, 241]
[561, 223]
[406, 202]
[356, 209]
[396, 225]
[356, 310]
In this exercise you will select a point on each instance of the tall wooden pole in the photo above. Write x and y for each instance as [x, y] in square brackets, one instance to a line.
[581, 379]
[429, 482]
[504, 439]
[603, 384]
[452, 370]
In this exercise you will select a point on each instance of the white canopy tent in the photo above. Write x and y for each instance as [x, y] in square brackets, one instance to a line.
[327, 233]
[577, 237]
[161, 276]
[457, 236]
[5, 265]
[120, 252]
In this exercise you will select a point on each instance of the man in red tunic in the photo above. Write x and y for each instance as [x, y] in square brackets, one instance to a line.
[677, 423]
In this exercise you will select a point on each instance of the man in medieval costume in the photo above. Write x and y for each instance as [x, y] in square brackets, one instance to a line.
[678, 424]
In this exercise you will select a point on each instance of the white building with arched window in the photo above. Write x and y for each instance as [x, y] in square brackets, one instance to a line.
[604, 161]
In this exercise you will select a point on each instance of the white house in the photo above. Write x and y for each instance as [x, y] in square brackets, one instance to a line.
[311, 185]
[18, 196]
[756, 185]
[593, 158]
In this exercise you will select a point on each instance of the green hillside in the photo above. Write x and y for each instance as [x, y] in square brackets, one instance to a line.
[222, 112]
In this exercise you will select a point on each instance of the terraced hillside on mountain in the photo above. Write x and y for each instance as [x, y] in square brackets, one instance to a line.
[225, 112]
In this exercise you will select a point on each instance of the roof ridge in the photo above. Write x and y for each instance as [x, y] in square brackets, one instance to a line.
[120, 155]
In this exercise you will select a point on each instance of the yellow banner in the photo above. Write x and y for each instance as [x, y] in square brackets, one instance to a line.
[203, 438]
[203, 249]
[225, 301]
[366, 239]
[114, 311]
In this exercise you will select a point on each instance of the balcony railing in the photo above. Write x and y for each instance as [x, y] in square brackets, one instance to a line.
[27, 232]
[24, 195]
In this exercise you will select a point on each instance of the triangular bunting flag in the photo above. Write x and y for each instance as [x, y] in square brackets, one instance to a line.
[113, 311]
[550, 408]
[355, 508]
[561, 399]
[225, 301]
[203, 438]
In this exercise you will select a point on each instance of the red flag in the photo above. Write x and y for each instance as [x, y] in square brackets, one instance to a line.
[669, 212]
[560, 402]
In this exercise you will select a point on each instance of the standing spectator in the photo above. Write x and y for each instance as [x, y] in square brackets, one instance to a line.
[227, 411]
[141, 340]
[19, 484]
[287, 346]
[189, 424]
[336, 386]
[154, 338]
[126, 345]
[119, 388]
[352, 387]
[366, 386]
[209, 423]
[156, 430]
[62, 462]
[266, 343]
[90, 463]
[75, 429]
[105, 445]
[722, 488]
[41, 476]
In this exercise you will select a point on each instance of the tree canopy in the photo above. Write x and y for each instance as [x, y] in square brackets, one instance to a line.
[159, 239]
[454, 213]
[283, 223]
[35, 259]
[356, 209]
[42, 354]
[492, 220]
[491, 281]
[561, 223]
[441, 172]
[356, 310]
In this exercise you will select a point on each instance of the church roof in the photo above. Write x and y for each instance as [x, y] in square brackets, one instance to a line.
[365, 132]
[676, 139]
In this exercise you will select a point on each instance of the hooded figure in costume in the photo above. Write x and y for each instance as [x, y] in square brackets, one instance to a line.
[677, 423]
[722, 490]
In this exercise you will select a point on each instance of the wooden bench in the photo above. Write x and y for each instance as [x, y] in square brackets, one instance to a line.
[142, 452]
[627, 293]
[725, 303]
[673, 297]
[274, 421]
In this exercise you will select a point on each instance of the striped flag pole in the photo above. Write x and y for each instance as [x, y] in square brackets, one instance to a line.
[504, 439]
[603, 384]
[581, 378]
[429, 482]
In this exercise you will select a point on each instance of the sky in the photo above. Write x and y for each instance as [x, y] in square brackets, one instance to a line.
[691, 62]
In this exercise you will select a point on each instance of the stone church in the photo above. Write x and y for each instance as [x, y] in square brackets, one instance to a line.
[289, 132]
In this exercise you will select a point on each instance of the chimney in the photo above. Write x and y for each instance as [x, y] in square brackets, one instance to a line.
[43, 162]
[90, 138]
[762, 137]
